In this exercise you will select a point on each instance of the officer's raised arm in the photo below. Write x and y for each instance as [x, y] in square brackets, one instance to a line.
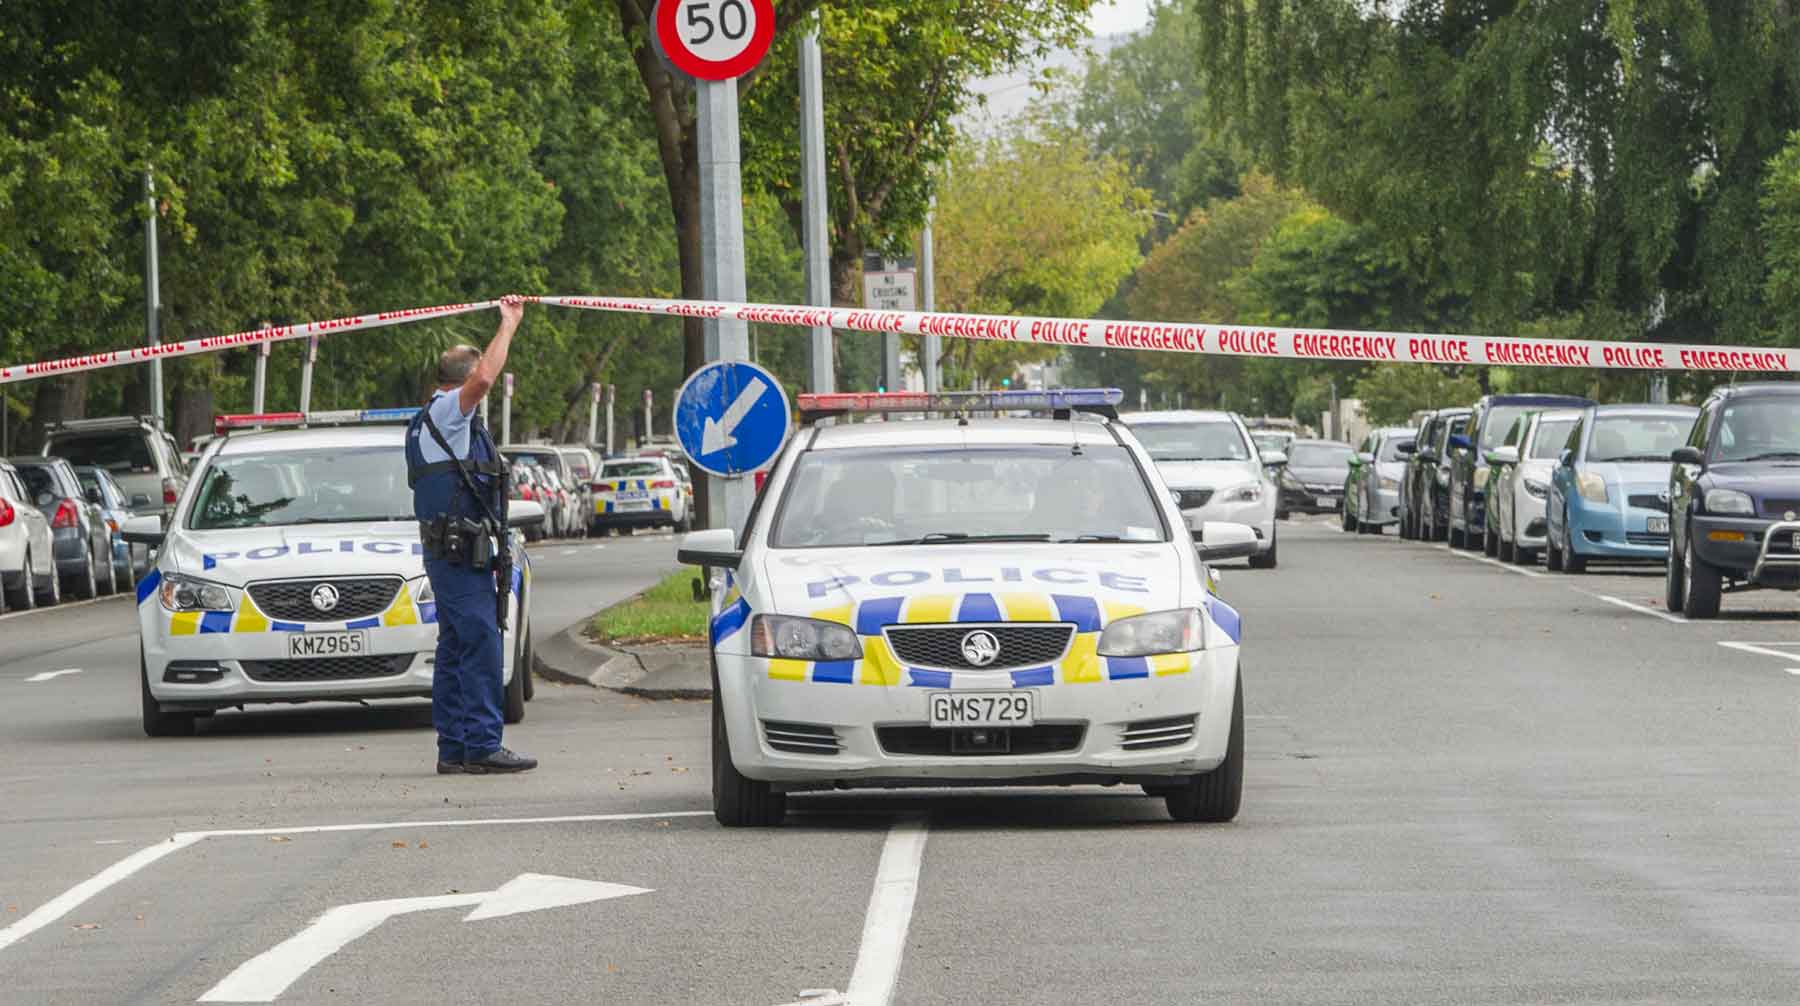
[493, 361]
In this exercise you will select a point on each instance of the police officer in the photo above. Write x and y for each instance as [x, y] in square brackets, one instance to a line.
[459, 498]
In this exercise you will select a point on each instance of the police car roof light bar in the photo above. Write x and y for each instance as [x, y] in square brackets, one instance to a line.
[335, 417]
[1059, 401]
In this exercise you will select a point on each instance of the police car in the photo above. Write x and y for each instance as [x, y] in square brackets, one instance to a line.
[971, 601]
[291, 571]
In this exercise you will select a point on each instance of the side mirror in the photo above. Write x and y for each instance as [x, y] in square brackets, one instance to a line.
[1566, 458]
[1406, 447]
[1220, 539]
[714, 549]
[1503, 456]
[1175, 497]
[1275, 459]
[146, 530]
[1687, 456]
[1364, 458]
[524, 513]
[1428, 456]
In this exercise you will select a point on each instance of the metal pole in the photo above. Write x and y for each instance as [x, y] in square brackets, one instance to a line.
[931, 347]
[306, 373]
[890, 362]
[649, 417]
[722, 261]
[152, 294]
[484, 410]
[259, 387]
[813, 198]
[593, 412]
[506, 391]
[612, 393]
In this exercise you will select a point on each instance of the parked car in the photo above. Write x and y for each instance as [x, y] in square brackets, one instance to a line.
[524, 484]
[1492, 416]
[557, 507]
[1520, 485]
[133, 449]
[1608, 491]
[1312, 481]
[1734, 498]
[1372, 487]
[1274, 441]
[1209, 459]
[115, 508]
[80, 539]
[27, 552]
[1426, 486]
[582, 464]
[639, 492]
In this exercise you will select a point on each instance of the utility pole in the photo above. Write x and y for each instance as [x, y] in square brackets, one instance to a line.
[611, 394]
[593, 412]
[506, 392]
[930, 346]
[152, 294]
[649, 421]
[814, 205]
[722, 263]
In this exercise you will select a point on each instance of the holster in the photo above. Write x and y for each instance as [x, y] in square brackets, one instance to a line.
[458, 541]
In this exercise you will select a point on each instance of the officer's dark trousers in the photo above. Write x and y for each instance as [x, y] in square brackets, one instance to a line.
[468, 687]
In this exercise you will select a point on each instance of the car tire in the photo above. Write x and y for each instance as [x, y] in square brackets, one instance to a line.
[156, 722]
[1215, 797]
[1507, 553]
[50, 592]
[110, 585]
[514, 709]
[87, 584]
[1573, 563]
[1704, 585]
[527, 659]
[24, 596]
[738, 802]
[1553, 556]
[1345, 518]
[1458, 539]
[1490, 543]
[1674, 581]
[1266, 560]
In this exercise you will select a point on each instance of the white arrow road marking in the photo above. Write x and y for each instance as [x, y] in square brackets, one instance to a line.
[266, 976]
[47, 675]
[890, 913]
[717, 435]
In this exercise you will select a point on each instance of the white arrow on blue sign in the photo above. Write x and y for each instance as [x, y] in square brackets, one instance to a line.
[731, 417]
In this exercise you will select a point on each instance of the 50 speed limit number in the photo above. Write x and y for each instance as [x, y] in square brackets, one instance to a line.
[715, 39]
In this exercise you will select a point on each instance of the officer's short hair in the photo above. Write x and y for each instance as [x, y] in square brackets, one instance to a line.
[457, 363]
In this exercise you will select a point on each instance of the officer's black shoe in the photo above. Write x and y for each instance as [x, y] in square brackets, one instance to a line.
[500, 762]
[451, 768]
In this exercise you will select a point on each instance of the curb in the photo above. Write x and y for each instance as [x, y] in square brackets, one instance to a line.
[571, 658]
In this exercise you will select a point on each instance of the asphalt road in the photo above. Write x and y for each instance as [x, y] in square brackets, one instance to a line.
[1465, 784]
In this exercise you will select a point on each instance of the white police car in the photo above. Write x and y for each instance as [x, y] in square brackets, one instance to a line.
[291, 571]
[970, 602]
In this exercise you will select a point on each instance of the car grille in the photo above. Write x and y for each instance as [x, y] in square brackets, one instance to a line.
[1045, 738]
[1776, 508]
[1194, 499]
[1656, 503]
[1143, 735]
[358, 597]
[386, 665]
[801, 738]
[1645, 538]
[939, 647]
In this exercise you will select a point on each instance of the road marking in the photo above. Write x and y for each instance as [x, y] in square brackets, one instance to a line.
[1765, 651]
[266, 976]
[1640, 609]
[81, 893]
[66, 605]
[47, 675]
[1509, 567]
[568, 551]
[890, 912]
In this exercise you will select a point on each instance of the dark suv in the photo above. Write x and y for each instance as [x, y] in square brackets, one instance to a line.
[1734, 498]
[1424, 490]
[1492, 416]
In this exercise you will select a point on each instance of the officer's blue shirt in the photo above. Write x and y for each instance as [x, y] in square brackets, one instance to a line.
[446, 412]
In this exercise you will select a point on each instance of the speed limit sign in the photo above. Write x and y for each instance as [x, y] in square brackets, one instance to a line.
[715, 39]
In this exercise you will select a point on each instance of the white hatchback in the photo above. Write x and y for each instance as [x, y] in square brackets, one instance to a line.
[970, 602]
[1210, 461]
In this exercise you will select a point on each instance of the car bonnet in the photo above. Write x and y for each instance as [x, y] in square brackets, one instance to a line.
[237, 556]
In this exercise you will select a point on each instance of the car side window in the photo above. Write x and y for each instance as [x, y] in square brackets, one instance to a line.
[1573, 444]
[1516, 436]
[1702, 431]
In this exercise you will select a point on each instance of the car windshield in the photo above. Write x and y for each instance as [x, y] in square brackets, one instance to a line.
[1499, 420]
[324, 486]
[630, 469]
[1763, 429]
[919, 495]
[90, 481]
[40, 485]
[1320, 456]
[1215, 440]
[119, 451]
[1547, 443]
[1271, 441]
[1636, 438]
[544, 459]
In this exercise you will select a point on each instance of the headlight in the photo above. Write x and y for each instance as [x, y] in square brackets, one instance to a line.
[1729, 501]
[1389, 484]
[1481, 477]
[1249, 492]
[1591, 486]
[184, 593]
[1178, 631]
[1539, 489]
[788, 638]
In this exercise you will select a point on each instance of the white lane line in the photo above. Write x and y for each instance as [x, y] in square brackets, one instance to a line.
[66, 605]
[79, 895]
[1640, 609]
[1765, 651]
[47, 675]
[567, 551]
[890, 913]
[1509, 567]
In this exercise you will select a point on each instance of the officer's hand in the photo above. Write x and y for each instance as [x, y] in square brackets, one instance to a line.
[512, 308]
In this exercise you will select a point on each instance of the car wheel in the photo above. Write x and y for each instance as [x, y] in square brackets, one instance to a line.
[1573, 563]
[24, 596]
[738, 802]
[514, 709]
[527, 659]
[1553, 556]
[1215, 796]
[1266, 560]
[1490, 542]
[1674, 582]
[1506, 551]
[1704, 585]
[87, 586]
[110, 585]
[156, 722]
[51, 592]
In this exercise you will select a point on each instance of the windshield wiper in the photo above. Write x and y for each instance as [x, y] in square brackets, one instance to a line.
[1154, 458]
[369, 519]
[1089, 538]
[957, 538]
[1775, 456]
[1632, 457]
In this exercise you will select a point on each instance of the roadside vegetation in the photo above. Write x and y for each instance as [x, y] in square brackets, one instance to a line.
[666, 613]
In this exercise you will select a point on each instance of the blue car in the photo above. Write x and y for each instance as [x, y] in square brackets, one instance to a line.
[1609, 493]
[1491, 418]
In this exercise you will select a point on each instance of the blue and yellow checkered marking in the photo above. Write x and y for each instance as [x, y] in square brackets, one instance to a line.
[248, 618]
[660, 499]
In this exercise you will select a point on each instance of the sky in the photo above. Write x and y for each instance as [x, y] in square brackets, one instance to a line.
[1111, 17]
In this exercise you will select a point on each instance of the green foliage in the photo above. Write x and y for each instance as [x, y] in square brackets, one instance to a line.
[666, 612]
[1392, 392]
[1781, 233]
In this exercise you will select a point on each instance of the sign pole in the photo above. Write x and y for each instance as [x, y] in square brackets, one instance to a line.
[259, 387]
[611, 395]
[722, 261]
[816, 225]
[931, 346]
[649, 425]
[593, 412]
[506, 393]
[306, 372]
[153, 295]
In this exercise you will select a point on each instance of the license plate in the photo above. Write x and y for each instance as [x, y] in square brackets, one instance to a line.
[634, 504]
[982, 709]
[622, 497]
[327, 644]
[1328, 501]
[1658, 525]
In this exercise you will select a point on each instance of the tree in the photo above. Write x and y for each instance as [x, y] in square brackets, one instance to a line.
[1781, 233]
[1392, 392]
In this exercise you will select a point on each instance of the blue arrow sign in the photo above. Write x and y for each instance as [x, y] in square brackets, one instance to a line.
[731, 417]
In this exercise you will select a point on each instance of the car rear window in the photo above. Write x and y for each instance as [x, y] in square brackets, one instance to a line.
[1216, 440]
[121, 451]
[631, 469]
[1319, 456]
[1547, 444]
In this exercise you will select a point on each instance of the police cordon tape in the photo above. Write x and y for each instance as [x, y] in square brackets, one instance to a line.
[1171, 337]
